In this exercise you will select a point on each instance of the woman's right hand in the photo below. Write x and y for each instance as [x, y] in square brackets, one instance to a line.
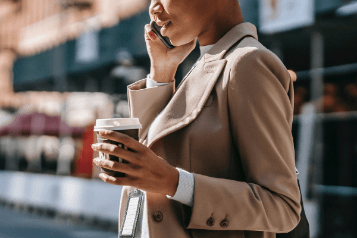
[164, 61]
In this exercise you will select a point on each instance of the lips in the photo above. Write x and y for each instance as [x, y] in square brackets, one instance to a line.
[166, 24]
[162, 23]
[164, 27]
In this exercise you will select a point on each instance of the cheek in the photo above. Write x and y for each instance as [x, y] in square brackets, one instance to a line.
[186, 15]
[186, 25]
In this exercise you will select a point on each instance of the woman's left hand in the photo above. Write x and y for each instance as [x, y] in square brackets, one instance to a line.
[144, 170]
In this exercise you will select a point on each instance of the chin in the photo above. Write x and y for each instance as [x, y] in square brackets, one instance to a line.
[178, 41]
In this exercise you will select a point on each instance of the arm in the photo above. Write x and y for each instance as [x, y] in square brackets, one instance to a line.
[185, 188]
[145, 169]
[184, 193]
[147, 103]
[260, 105]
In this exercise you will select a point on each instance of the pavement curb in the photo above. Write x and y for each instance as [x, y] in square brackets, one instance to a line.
[76, 200]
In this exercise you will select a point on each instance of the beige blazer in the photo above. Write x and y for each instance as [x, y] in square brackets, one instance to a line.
[229, 123]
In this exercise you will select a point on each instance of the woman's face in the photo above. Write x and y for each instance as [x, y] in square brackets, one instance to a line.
[183, 20]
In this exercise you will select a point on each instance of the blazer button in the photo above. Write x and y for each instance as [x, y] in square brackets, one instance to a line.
[210, 222]
[158, 216]
[224, 224]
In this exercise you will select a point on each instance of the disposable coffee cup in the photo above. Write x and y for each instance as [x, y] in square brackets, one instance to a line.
[128, 126]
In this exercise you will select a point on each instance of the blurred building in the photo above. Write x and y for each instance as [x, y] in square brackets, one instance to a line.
[36, 35]
[52, 57]
[72, 45]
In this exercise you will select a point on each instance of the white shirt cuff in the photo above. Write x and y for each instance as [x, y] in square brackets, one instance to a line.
[150, 83]
[185, 189]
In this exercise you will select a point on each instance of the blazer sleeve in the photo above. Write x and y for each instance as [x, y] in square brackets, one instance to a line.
[260, 101]
[147, 103]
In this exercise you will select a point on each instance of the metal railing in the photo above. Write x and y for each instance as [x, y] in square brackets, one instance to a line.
[310, 159]
[328, 71]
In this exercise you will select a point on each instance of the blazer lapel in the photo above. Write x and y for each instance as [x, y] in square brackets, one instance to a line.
[188, 100]
[190, 97]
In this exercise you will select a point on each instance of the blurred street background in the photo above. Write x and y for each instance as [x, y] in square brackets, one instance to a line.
[28, 225]
[66, 63]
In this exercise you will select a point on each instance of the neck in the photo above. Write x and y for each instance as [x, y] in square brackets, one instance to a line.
[221, 24]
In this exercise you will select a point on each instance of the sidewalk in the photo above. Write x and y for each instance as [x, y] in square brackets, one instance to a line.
[63, 196]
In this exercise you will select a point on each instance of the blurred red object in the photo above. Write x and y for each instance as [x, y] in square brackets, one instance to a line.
[300, 96]
[332, 101]
[351, 96]
[85, 162]
[40, 124]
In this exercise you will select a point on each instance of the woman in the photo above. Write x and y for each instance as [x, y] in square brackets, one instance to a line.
[227, 127]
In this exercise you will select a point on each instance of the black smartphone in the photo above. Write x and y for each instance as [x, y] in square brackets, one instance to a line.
[156, 29]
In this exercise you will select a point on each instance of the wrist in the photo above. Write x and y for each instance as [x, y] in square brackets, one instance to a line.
[174, 180]
[162, 74]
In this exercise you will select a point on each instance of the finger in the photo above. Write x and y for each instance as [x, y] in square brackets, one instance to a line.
[293, 75]
[149, 34]
[124, 139]
[115, 151]
[112, 165]
[116, 180]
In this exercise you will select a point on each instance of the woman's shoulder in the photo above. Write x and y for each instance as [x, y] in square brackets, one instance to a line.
[250, 51]
[253, 61]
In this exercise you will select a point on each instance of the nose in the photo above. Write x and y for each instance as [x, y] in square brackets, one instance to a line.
[156, 8]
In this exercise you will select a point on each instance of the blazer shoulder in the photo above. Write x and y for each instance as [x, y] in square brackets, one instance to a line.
[251, 58]
[251, 50]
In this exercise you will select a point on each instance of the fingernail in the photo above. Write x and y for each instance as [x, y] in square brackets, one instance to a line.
[96, 160]
[111, 178]
[153, 36]
[102, 132]
[93, 146]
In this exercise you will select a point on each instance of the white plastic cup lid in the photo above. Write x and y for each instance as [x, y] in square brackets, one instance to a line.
[117, 124]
